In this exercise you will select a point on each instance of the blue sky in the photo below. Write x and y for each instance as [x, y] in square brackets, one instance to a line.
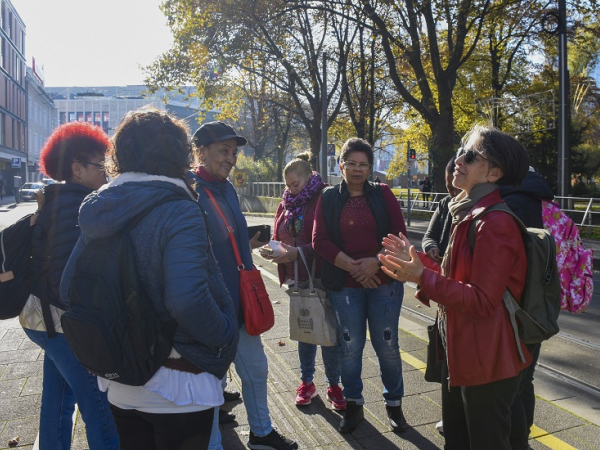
[93, 43]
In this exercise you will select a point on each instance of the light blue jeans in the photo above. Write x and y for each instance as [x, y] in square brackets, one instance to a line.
[251, 366]
[331, 361]
[65, 383]
[380, 308]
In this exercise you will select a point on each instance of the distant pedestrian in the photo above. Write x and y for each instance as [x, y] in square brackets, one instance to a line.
[425, 184]
[74, 153]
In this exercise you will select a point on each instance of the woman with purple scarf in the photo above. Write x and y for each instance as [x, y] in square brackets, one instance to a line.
[293, 227]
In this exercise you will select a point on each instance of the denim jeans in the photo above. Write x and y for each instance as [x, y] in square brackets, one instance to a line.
[251, 366]
[65, 383]
[331, 361]
[380, 308]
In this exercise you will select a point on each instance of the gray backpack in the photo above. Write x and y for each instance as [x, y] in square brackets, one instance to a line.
[540, 304]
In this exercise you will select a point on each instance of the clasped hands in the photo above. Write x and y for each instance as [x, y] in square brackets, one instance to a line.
[400, 260]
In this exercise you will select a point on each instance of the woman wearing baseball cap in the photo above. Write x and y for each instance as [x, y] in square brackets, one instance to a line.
[217, 145]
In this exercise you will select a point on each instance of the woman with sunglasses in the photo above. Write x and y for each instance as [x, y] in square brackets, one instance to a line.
[482, 368]
[351, 220]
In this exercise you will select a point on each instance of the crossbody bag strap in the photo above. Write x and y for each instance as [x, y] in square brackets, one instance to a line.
[230, 233]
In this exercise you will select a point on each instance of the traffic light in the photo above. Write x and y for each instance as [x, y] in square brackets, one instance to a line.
[412, 154]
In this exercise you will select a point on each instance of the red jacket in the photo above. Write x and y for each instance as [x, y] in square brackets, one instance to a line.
[480, 342]
[307, 229]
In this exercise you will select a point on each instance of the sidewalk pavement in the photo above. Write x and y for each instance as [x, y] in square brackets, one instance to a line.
[312, 426]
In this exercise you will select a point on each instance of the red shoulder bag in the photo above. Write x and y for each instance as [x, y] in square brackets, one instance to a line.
[258, 310]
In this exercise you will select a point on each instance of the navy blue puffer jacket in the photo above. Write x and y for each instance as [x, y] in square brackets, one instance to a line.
[175, 263]
[54, 235]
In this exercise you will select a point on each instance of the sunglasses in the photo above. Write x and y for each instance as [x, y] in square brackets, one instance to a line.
[470, 155]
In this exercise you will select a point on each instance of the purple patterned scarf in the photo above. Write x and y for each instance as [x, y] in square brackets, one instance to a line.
[295, 204]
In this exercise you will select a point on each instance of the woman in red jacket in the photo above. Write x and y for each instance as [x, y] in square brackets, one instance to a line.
[482, 367]
[294, 227]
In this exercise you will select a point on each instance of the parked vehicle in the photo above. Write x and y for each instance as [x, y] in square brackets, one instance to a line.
[28, 191]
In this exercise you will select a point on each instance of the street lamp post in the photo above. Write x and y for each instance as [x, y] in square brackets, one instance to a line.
[324, 121]
[564, 110]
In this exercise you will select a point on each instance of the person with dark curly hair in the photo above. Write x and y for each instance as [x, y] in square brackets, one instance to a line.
[74, 153]
[180, 275]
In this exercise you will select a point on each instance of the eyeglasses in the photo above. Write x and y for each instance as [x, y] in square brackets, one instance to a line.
[470, 155]
[351, 165]
[99, 166]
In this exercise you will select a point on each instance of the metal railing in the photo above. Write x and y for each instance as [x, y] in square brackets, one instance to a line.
[580, 209]
[262, 189]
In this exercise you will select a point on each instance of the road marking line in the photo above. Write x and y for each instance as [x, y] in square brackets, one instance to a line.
[548, 440]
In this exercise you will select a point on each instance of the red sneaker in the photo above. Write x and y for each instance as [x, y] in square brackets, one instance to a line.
[334, 394]
[305, 393]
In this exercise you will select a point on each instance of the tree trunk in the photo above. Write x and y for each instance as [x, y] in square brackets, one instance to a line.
[443, 145]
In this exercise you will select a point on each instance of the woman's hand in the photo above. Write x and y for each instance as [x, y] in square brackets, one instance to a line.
[255, 243]
[434, 254]
[372, 283]
[397, 246]
[402, 270]
[290, 255]
[365, 269]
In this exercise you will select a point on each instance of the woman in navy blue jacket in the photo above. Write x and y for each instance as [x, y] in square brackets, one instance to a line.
[217, 145]
[74, 153]
[176, 266]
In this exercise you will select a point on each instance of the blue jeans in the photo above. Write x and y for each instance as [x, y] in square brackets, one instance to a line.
[65, 383]
[380, 307]
[251, 366]
[331, 361]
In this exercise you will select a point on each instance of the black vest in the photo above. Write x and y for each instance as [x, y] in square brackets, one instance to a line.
[333, 199]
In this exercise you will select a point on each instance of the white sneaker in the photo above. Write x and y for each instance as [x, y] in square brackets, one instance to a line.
[440, 427]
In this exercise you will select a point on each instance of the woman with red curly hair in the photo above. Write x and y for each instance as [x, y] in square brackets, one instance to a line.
[74, 154]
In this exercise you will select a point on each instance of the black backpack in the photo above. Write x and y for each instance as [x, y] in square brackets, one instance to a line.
[15, 262]
[110, 324]
[540, 304]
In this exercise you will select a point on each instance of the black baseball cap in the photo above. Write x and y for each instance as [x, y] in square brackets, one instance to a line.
[216, 132]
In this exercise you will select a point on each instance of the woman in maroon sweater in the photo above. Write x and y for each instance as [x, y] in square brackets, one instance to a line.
[294, 227]
[351, 220]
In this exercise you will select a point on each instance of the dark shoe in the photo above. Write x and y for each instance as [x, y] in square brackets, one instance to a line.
[272, 441]
[226, 417]
[396, 418]
[352, 416]
[230, 396]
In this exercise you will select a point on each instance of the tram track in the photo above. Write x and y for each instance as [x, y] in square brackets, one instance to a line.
[549, 370]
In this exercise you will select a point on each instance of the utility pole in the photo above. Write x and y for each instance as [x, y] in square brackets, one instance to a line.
[564, 110]
[323, 164]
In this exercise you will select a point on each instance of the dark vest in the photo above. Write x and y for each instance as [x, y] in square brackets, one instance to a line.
[333, 199]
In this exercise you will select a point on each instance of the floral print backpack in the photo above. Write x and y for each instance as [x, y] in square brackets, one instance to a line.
[573, 260]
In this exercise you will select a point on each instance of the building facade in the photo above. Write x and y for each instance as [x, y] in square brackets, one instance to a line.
[105, 106]
[13, 95]
[41, 119]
